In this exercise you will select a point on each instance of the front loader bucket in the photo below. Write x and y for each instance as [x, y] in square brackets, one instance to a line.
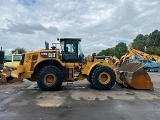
[14, 75]
[133, 75]
[9, 75]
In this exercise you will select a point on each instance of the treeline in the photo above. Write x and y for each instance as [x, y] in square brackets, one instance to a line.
[146, 43]
[119, 50]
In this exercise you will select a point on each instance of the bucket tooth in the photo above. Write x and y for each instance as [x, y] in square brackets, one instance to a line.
[133, 75]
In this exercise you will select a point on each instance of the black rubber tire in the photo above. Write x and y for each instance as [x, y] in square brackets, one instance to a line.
[89, 78]
[95, 76]
[51, 70]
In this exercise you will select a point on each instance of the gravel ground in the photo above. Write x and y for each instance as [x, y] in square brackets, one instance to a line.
[79, 101]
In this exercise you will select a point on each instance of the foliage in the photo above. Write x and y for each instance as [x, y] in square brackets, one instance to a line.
[140, 42]
[153, 50]
[117, 51]
[154, 39]
[148, 43]
[120, 49]
[18, 50]
[107, 52]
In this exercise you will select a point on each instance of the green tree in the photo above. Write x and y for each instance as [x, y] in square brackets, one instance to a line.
[107, 52]
[140, 42]
[117, 51]
[120, 49]
[153, 50]
[154, 39]
[18, 50]
[147, 43]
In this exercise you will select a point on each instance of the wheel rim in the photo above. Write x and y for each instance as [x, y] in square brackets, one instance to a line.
[49, 79]
[104, 78]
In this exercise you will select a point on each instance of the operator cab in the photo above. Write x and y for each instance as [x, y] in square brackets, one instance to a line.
[71, 50]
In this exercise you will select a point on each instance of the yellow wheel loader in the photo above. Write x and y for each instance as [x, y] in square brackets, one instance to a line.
[7, 65]
[51, 67]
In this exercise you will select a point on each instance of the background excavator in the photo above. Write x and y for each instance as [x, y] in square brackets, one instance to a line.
[149, 62]
[51, 67]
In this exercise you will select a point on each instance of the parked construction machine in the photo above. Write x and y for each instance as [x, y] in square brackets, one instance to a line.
[149, 62]
[8, 63]
[51, 67]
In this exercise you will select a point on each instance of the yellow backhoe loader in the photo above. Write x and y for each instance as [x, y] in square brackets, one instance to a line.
[51, 67]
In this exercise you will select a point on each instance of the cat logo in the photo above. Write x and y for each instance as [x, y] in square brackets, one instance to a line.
[48, 54]
[53, 55]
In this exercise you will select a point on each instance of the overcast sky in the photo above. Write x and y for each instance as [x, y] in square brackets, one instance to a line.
[100, 23]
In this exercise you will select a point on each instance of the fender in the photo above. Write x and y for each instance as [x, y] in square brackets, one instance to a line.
[87, 68]
[47, 63]
[91, 67]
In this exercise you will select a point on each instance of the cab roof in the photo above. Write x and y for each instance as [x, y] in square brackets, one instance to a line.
[62, 39]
